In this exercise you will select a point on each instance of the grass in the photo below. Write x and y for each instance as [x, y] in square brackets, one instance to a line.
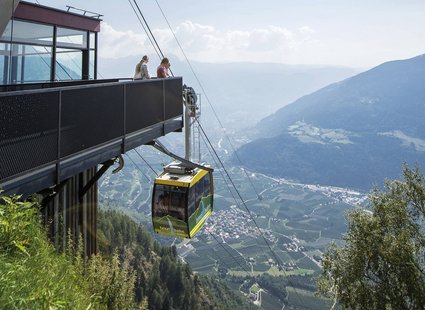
[306, 263]
[254, 288]
[303, 299]
[296, 255]
[261, 267]
[273, 271]
[270, 302]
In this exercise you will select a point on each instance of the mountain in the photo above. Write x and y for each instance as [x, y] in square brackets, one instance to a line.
[354, 133]
[241, 94]
[161, 279]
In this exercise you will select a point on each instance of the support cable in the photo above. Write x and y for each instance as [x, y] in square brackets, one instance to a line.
[225, 170]
[277, 258]
[240, 197]
[151, 33]
[205, 241]
[221, 173]
[160, 147]
[158, 53]
[216, 165]
[138, 168]
[205, 93]
[215, 113]
[196, 77]
[237, 262]
[149, 29]
[140, 155]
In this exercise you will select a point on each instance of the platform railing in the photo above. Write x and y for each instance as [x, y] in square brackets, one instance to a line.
[48, 135]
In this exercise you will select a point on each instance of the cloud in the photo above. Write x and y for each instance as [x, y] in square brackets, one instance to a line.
[306, 30]
[208, 44]
[117, 44]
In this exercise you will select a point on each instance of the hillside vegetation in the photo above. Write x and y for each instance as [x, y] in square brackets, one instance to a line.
[131, 271]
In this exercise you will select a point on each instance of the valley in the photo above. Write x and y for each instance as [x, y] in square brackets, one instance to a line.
[268, 230]
[279, 220]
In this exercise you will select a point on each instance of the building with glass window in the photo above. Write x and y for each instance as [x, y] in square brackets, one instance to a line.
[42, 44]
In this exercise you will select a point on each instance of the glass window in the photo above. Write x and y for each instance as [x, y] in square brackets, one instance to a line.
[25, 63]
[160, 202]
[7, 33]
[29, 58]
[169, 200]
[26, 32]
[69, 63]
[199, 188]
[91, 65]
[207, 185]
[92, 40]
[34, 63]
[4, 62]
[71, 38]
[191, 202]
[178, 205]
[1, 63]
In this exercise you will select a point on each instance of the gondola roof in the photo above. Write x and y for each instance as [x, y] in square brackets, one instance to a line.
[182, 180]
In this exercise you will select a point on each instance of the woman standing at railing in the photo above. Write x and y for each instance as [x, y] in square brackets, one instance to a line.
[162, 70]
[141, 71]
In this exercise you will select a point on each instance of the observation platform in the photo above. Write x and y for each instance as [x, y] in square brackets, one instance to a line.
[52, 131]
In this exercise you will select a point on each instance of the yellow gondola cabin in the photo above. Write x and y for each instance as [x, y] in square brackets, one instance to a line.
[182, 200]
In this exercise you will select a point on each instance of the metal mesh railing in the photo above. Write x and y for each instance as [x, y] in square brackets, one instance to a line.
[41, 127]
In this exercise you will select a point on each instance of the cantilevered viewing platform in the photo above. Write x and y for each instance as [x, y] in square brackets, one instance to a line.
[61, 128]
[53, 131]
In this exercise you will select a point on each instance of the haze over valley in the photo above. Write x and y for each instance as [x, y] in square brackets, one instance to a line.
[355, 133]
[241, 94]
[303, 165]
[305, 111]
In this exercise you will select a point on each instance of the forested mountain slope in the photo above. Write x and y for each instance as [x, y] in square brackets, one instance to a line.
[354, 133]
[130, 271]
[161, 277]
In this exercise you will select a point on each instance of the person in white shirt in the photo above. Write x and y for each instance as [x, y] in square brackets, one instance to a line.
[141, 71]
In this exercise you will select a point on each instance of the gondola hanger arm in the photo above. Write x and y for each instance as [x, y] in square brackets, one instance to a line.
[160, 147]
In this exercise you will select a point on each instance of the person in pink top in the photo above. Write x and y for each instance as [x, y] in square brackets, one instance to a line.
[162, 70]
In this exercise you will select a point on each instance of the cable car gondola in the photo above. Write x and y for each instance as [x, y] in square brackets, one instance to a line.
[182, 200]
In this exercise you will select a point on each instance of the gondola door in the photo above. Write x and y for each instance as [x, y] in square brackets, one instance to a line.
[200, 202]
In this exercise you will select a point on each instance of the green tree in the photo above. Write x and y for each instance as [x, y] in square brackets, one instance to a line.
[381, 264]
[111, 281]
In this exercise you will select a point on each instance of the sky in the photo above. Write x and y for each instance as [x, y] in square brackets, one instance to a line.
[358, 34]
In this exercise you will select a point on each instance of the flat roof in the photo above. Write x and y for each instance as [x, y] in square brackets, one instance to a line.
[47, 15]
